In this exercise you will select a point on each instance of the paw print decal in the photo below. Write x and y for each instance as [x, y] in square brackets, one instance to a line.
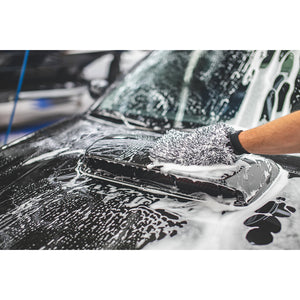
[266, 221]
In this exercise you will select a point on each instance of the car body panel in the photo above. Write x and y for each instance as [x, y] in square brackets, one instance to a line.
[47, 203]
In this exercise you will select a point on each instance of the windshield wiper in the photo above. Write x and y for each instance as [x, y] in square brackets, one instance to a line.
[129, 122]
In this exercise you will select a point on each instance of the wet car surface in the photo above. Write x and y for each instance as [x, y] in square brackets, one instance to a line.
[88, 182]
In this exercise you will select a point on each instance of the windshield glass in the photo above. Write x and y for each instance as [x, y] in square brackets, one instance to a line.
[187, 88]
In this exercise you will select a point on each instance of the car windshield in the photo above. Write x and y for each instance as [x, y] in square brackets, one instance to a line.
[185, 89]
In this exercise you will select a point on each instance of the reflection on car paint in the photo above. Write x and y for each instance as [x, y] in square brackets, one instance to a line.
[266, 221]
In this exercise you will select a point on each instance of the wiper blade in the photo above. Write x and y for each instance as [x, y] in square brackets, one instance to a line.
[129, 122]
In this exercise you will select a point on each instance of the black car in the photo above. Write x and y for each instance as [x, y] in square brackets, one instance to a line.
[88, 182]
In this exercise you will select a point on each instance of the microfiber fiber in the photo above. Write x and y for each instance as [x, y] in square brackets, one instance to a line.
[203, 146]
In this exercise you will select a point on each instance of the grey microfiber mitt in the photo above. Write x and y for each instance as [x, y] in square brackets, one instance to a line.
[204, 146]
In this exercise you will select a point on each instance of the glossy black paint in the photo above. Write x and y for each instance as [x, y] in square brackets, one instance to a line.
[56, 220]
[266, 221]
[48, 203]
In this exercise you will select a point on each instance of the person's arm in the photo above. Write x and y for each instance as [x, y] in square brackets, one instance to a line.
[280, 136]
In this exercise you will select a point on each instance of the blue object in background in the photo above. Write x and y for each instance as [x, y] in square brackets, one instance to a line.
[43, 103]
[17, 95]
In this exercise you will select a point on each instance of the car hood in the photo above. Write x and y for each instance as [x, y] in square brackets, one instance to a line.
[89, 184]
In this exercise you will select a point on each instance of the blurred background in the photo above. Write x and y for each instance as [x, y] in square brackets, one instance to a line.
[56, 84]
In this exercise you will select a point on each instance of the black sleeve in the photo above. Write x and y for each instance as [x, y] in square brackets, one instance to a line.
[236, 145]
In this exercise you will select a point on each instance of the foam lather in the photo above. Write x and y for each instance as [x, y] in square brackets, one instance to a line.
[204, 146]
